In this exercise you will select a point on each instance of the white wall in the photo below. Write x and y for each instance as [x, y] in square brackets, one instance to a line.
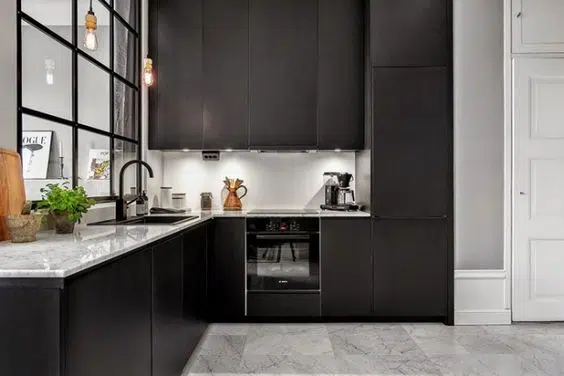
[274, 180]
[8, 88]
[479, 137]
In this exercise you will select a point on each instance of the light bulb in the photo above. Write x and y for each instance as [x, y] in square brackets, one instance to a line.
[90, 40]
[50, 71]
[148, 78]
[90, 25]
[49, 78]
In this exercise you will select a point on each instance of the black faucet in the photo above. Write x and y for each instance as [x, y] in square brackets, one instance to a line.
[121, 205]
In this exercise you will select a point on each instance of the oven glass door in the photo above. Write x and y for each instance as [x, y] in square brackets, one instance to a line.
[282, 262]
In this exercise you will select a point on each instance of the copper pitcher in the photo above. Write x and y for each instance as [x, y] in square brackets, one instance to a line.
[233, 202]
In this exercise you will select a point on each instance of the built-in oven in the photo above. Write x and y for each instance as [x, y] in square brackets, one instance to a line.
[283, 254]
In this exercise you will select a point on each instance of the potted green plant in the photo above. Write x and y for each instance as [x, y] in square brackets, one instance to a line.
[65, 205]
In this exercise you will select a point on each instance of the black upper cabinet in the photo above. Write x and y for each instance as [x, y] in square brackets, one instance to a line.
[409, 33]
[410, 151]
[226, 74]
[283, 74]
[226, 271]
[169, 327]
[410, 270]
[176, 100]
[109, 319]
[346, 267]
[341, 74]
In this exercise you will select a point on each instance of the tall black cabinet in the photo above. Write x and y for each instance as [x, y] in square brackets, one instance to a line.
[411, 123]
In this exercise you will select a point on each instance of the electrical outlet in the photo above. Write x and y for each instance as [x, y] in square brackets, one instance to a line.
[210, 155]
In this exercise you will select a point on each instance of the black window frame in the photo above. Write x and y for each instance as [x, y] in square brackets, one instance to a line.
[74, 46]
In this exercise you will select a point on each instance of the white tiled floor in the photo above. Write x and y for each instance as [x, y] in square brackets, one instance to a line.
[379, 349]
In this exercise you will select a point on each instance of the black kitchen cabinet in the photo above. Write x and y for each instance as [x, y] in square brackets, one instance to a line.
[409, 33]
[346, 267]
[227, 270]
[169, 327]
[410, 268]
[176, 99]
[194, 248]
[411, 142]
[226, 74]
[109, 319]
[283, 74]
[340, 97]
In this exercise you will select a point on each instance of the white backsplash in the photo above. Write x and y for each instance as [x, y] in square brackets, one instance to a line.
[274, 180]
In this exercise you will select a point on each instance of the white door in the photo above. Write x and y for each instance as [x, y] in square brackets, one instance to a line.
[538, 26]
[538, 249]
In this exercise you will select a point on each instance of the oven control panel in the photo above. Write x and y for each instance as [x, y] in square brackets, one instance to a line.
[282, 224]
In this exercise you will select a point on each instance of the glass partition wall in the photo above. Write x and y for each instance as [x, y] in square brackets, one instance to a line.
[78, 95]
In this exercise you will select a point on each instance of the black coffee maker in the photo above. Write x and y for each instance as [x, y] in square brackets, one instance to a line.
[338, 193]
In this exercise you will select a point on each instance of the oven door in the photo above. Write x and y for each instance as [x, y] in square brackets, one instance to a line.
[283, 262]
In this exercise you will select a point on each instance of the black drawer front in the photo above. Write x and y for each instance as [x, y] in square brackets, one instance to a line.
[283, 305]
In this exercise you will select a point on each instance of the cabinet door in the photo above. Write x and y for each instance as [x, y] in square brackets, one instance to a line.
[176, 117]
[283, 74]
[226, 74]
[195, 285]
[109, 319]
[346, 267]
[537, 26]
[411, 142]
[409, 33]
[169, 328]
[410, 268]
[341, 72]
[227, 270]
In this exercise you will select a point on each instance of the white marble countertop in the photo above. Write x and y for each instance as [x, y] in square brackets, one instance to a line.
[60, 256]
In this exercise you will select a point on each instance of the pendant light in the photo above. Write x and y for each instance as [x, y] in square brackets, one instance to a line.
[148, 77]
[90, 38]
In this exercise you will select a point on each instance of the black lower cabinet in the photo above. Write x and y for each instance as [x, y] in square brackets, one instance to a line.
[30, 342]
[410, 268]
[169, 327]
[346, 267]
[227, 270]
[194, 248]
[109, 319]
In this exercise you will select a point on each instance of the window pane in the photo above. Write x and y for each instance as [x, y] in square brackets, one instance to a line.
[43, 143]
[46, 73]
[125, 53]
[124, 152]
[125, 110]
[128, 10]
[102, 53]
[94, 163]
[54, 14]
[93, 95]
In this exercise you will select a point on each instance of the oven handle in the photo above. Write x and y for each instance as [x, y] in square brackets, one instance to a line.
[283, 237]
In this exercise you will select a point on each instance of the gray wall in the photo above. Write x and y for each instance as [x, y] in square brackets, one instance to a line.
[479, 138]
[8, 113]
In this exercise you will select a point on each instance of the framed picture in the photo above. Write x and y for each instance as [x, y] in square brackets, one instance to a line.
[99, 164]
[36, 149]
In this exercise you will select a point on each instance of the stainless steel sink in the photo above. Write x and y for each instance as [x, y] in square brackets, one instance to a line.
[148, 220]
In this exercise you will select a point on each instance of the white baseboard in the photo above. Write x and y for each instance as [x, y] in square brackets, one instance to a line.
[482, 317]
[481, 297]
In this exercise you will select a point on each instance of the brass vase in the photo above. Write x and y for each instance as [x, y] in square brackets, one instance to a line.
[233, 201]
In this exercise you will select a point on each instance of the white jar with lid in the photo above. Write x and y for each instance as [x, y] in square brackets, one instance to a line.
[166, 197]
[179, 200]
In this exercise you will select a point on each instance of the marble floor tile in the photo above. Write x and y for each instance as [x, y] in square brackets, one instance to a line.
[486, 344]
[440, 346]
[289, 364]
[228, 329]
[223, 345]
[215, 364]
[286, 344]
[387, 365]
[511, 365]
[460, 365]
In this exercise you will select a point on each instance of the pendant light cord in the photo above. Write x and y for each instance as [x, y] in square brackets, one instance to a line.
[91, 5]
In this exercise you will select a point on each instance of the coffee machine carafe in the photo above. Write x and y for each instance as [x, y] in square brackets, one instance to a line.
[331, 188]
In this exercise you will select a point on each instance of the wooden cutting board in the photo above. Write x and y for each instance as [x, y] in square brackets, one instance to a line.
[12, 190]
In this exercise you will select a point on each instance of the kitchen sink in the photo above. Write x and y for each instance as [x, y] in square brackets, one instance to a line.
[148, 220]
